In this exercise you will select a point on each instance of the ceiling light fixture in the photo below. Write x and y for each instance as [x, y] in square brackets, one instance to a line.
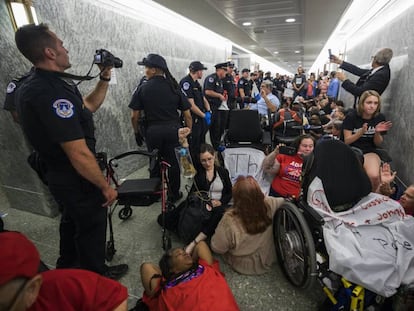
[290, 20]
[247, 24]
[275, 52]
[297, 51]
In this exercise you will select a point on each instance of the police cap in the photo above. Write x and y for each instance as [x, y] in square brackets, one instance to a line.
[154, 61]
[245, 70]
[221, 66]
[230, 64]
[196, 66]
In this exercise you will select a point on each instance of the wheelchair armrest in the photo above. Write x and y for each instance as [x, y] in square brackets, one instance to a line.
[152, 154]
[312, 213]
[266, 138]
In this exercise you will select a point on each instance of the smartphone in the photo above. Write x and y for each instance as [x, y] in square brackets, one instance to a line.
[287, 150]
[330, 53]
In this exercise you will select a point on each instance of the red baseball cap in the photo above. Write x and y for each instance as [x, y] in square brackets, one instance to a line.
[18, 257]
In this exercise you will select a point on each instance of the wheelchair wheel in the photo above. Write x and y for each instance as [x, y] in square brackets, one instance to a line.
[110, 250]
[125, 213]
[294, 244]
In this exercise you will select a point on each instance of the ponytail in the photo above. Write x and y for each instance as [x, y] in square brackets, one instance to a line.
[173, 83]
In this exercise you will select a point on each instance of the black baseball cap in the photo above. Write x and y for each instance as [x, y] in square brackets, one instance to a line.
[154, 61]
[221, 66]
[196, 66]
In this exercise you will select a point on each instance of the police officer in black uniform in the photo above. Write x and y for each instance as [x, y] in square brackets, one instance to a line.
[229, 86]
[213, 90]
[58, 123]
[10, 101]
[200, 108]
[160, 98]
[244, 86]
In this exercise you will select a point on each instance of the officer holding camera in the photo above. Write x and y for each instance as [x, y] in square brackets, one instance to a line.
[59, 125]
[200, 108]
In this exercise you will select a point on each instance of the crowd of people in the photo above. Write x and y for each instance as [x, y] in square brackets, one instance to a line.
[58, 123]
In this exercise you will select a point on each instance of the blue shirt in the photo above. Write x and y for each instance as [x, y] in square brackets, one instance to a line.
[261, 104]
[333, 88]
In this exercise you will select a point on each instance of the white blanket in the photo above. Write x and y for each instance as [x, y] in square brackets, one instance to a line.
[371, 244]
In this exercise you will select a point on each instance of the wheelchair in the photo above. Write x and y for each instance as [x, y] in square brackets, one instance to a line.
[136, 192]
[298, 232]
[246, 129]
[244, 146]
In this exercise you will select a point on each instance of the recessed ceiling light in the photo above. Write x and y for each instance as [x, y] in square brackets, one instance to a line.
[247, 23]
[297, 51]
[299, 62]
[290, 20]
[275, 52]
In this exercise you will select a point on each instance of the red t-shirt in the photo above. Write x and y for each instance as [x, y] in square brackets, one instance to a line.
[78, 290]
[206, 292]
[287, 181]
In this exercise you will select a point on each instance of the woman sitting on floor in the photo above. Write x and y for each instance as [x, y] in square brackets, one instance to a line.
[244, 234]
[288, 167]
[186, 282]
[363, 129]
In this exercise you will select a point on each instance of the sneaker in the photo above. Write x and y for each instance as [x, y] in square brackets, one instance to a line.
[116, 272]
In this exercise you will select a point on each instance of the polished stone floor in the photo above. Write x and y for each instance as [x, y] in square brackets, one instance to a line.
[138, 239]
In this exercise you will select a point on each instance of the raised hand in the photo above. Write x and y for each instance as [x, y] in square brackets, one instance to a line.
[383, 126]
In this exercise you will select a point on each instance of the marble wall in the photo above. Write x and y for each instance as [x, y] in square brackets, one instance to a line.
[84, 26]
[398, 99]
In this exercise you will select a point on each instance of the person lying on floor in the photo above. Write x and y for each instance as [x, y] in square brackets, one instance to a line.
[244, 234]
[186, 282]
[23, 288]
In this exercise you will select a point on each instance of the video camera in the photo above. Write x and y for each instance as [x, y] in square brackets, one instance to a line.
[106, 59]
[246, 99]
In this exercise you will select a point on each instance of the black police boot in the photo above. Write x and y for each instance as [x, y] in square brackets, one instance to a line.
[116, 272]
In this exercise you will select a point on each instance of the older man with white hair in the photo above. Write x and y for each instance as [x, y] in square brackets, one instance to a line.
[267, 102]
[377, 78]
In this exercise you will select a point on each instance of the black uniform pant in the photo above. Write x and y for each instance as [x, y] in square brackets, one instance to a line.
[164, 137]
[83, 222]
[198, 137]
[217, 126]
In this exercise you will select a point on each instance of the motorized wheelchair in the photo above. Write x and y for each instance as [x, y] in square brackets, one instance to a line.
[244, 145]
[136, 191]
[298, 228]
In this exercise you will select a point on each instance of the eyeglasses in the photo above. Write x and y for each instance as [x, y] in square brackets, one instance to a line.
[206, 160]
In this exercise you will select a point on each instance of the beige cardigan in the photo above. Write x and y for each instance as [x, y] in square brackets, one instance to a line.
[246, 253]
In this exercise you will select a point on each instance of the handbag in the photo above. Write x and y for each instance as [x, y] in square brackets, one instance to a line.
[196, 211]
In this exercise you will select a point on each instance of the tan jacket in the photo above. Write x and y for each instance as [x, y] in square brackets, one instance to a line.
[246, 253]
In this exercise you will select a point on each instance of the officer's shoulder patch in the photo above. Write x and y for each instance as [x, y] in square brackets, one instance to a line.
[241, 82]
[211, 79]
[186, 86]
[63, 108]
[11, 87]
